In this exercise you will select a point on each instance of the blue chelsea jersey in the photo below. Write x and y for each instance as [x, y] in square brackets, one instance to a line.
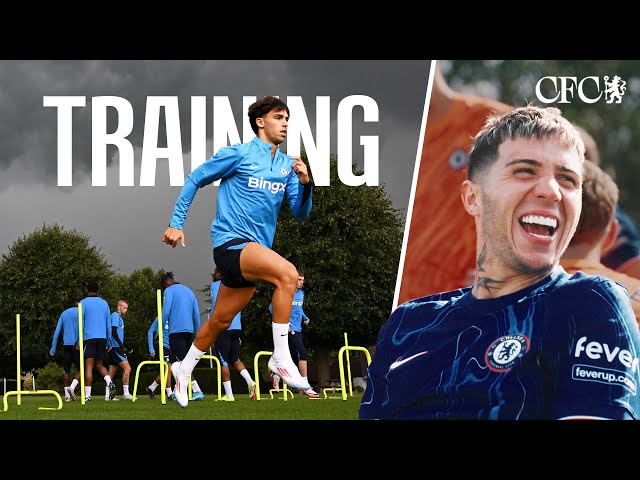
[565, 348]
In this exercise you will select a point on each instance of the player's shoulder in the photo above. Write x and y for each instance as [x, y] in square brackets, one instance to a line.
[583, 287]
[431, 302]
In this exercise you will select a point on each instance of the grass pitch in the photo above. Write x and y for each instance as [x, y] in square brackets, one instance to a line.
[298, 408]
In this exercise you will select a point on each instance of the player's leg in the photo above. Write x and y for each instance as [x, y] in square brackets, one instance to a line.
[259, 263]
[126, 372]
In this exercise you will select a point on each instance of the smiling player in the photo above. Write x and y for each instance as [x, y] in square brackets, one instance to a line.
[527, 340]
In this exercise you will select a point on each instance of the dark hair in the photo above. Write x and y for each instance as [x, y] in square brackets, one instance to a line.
[217, 274]
[528, 122]
[599, 200]
[166, 276]
[92, 286]
[262, 107]
[73, 301]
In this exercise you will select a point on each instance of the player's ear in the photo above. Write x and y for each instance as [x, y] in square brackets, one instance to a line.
[260, 122]
[611, 236]
[470, 194]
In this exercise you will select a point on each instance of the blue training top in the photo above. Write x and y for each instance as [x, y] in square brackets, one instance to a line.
[152, 334]
[68, 323]
[116, 321]
[95, 318]
[236, 323]
[180, 309]
[564, 348]
[297, 313]
[250, 193]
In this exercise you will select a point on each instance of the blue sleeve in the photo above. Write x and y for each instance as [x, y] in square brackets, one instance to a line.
[299, 196]
[219, 166]
[271, 308]
[56, 334]
[108, 321]
[215, 288]
[166, 305]
[196, 316]
[150, 334]
[304, 315]
[598, 376]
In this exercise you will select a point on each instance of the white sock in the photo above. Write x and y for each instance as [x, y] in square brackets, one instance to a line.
[87, 392]
[66, 392]
[169, 392]
[107, 379]
[195, 387]
[125, 389]
[227, 389]
[74, 384]
[280, 340]
[153, 386]
[247, 377]
[191, 360]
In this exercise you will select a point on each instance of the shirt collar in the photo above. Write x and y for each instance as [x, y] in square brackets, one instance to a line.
[264, 145]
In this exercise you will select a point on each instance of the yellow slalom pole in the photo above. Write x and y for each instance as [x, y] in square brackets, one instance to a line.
[81, 344]
[346, 344]
[19, 375]
[163, 375]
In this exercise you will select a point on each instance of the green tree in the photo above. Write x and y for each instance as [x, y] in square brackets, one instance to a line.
[41, 271]
[349, 250]
[139, 289]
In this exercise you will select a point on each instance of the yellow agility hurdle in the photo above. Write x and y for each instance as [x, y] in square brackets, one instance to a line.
[219, 376]
[19, 391]
[164, 372]
[342, 388]
[285, 390]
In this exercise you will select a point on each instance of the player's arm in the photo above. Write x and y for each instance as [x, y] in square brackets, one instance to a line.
[166, 307]
[116, 337]
[56, 334]
[150, 334]
[220, 165]
[299, 189]
[597, 357]
[196, 316]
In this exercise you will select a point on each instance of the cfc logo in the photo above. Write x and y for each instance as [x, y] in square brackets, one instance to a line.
[588, 89]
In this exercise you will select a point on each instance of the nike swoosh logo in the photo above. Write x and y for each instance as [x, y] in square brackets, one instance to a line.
[398, 363]
[283, 334]
[253, 167]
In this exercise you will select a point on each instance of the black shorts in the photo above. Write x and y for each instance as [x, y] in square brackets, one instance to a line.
[179, 344]
[296, 347]
[95, 348]
[227, 259]
[166, 351]
[228, 347]
[71, 356]
[116, 356]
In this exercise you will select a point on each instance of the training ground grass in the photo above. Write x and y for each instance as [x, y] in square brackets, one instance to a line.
[298, 408]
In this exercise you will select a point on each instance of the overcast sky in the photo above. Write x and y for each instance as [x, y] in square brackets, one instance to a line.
[127, 222]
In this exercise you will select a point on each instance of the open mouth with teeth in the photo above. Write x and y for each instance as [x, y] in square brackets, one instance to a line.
[538, 225]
